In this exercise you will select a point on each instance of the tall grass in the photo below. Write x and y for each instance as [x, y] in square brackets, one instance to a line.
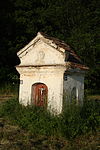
[74, 120]
[9, 89]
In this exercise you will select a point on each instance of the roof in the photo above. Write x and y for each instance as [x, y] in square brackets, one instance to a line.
[61, 44]
[75, 65]
[71, 58]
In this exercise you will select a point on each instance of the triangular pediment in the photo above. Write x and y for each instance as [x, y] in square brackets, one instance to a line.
[41, 51]
[45, 51]
[38, 38]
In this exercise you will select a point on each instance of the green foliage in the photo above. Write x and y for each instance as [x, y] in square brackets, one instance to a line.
[75, 120]
[91, 114]
[9, 88]
[76, 22]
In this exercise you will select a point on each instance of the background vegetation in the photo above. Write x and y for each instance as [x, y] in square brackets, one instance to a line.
[74, 21]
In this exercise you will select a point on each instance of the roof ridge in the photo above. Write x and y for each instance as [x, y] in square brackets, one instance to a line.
[61, 44]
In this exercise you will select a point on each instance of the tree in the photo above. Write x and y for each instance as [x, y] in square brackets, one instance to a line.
[74, 21]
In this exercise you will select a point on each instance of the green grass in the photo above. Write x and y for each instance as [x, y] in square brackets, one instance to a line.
[77, 128]
[9, 89]
[35, 128]
[75, 120]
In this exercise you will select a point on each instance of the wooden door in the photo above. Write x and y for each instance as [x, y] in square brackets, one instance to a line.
[39, 94]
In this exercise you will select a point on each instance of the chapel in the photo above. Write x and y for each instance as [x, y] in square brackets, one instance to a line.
[50, 73]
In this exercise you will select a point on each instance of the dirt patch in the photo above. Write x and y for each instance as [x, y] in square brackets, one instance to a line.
[14, 138]
[4, 98]
[94, 97]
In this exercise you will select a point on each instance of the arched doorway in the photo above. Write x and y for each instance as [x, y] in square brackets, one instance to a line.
[73, 94]
[39, 94]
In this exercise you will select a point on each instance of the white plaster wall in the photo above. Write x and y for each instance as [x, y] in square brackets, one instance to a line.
[52, 77]
[41, 54]
[74, 80]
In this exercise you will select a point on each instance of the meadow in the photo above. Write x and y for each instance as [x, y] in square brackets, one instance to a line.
[35, 128]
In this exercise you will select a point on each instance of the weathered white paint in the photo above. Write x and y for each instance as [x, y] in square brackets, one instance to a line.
[42, 54]
[42, 62]
[50, 76]
[74, 80]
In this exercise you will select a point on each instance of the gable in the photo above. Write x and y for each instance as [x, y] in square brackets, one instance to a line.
[45, 50]
[41, 54]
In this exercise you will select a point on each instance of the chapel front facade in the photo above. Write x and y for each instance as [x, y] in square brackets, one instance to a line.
[49, 68]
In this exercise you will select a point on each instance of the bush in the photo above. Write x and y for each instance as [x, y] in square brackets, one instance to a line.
[74, 120]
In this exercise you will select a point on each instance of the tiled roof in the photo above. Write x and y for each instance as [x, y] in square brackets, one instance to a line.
[73, 60]
[63, 45]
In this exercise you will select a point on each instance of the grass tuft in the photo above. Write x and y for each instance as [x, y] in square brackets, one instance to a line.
[74, 121]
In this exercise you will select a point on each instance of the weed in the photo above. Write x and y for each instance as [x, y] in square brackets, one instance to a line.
[74, 120]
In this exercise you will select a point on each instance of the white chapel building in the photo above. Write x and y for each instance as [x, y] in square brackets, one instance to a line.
[50, 69]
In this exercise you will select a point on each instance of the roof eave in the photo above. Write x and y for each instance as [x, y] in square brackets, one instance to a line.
[32, 42]
[72, 65]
